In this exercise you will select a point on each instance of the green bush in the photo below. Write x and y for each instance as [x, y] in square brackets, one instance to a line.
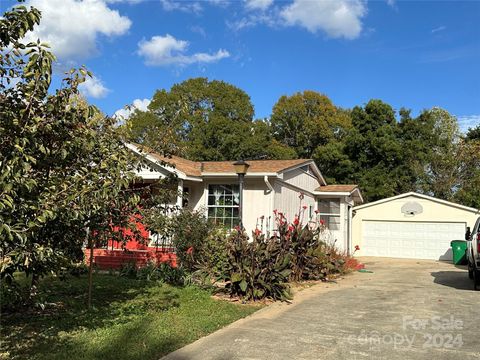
[161, 272]
[211, 258]
[128, 270]
[154, 272]
[12, 295]
[190, 231]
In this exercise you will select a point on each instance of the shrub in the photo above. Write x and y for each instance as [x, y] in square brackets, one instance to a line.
[257, 269]
[161, 272]
[129, 270]
[12, 295]
[190, 231]
[211, 258]
[154, 272]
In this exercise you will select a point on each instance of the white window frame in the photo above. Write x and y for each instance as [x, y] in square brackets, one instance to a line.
[330, 215]
[234, 220]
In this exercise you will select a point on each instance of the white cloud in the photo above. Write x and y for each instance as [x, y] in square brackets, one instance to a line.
[251, 20]
[126, 112]
[72, 27]
[391, 3]
[258, 4]
[93, 87]
[468, 121]
[199, 30]
[166, 50]
[440, 28]
[341, 18]
[172, 5]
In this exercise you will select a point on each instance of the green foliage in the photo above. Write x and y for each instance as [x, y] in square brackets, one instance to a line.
[205, 120]
[473, 133]
[152, 271]
[307, 120]
[190, 231]
[257, 269]
[211, 258]
[128, 270]
[64, 170]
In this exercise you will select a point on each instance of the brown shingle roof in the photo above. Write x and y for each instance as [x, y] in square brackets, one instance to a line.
[188, 167]
[337, 188]
[256, 166]
[196, 168]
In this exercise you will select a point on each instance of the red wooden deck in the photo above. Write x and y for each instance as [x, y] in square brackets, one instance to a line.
[106, 259]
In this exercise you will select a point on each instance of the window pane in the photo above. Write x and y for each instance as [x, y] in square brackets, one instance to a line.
[223, 201]
[331, 222]
[329, 206]
[211, 212]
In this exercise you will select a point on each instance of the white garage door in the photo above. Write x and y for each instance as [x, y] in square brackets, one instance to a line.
[413, 240]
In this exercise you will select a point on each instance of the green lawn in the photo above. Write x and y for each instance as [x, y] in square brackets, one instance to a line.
[132, 320]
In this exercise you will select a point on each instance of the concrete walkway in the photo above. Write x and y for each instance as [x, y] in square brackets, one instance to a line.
[406, 309]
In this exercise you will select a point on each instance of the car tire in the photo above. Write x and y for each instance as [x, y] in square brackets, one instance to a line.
[470, 269]
[476, 279]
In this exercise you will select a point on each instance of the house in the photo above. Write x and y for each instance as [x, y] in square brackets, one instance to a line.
[410, 225]
[213, 188]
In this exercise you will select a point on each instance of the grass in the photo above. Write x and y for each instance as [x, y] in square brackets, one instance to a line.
[131, 319]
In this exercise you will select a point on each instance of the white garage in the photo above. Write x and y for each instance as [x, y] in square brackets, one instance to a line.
[410, 225]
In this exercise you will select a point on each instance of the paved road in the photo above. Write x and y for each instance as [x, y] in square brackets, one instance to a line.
[405, 309]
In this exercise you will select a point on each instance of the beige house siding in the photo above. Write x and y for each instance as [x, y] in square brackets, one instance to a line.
[301, 179]
[433, 211]
[257, 199]
[287, 200]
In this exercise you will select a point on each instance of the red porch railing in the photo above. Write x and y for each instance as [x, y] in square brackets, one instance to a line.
[106, 259]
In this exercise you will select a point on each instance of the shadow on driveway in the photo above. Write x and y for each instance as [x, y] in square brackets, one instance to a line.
[454, 279]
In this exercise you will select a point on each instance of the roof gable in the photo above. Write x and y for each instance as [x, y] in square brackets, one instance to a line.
[420, 196]
[199, 168]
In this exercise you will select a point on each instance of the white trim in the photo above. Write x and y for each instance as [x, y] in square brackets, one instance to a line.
[193, 178]
[422, 196]
[333, 193]
[154, 161]
[255, 174]
[340, 193]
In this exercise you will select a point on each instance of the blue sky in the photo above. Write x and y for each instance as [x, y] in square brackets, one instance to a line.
[414, 54]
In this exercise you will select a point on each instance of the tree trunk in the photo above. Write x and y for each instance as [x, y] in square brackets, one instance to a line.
[34, 285]
[90, 273]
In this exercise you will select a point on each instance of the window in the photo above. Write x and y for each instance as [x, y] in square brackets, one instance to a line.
[329, 210]
[185, 196]
[223, 204]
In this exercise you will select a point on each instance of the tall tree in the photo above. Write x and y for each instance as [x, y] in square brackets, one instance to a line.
[63, 169]
[205, 120]
[307, 120]
[442, 172]
[473, 133]
[374, 149]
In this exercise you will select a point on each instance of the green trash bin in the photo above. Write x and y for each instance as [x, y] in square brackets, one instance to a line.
[459, 249]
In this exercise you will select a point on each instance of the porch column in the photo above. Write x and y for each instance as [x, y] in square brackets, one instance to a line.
[180, 194]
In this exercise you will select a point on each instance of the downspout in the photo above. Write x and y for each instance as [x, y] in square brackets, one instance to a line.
[269, 186]
[350, 215]
[272, 201]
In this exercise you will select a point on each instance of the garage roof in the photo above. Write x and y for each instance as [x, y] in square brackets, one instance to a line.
[422, 196]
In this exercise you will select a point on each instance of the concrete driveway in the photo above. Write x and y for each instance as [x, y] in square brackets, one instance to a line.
[405, 309]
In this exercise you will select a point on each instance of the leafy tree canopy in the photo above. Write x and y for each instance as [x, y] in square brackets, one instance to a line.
[205, 120]
[307, 120]
[63, 166]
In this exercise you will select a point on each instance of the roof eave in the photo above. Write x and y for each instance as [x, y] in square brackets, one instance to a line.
[422, 196]
[232, 174]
